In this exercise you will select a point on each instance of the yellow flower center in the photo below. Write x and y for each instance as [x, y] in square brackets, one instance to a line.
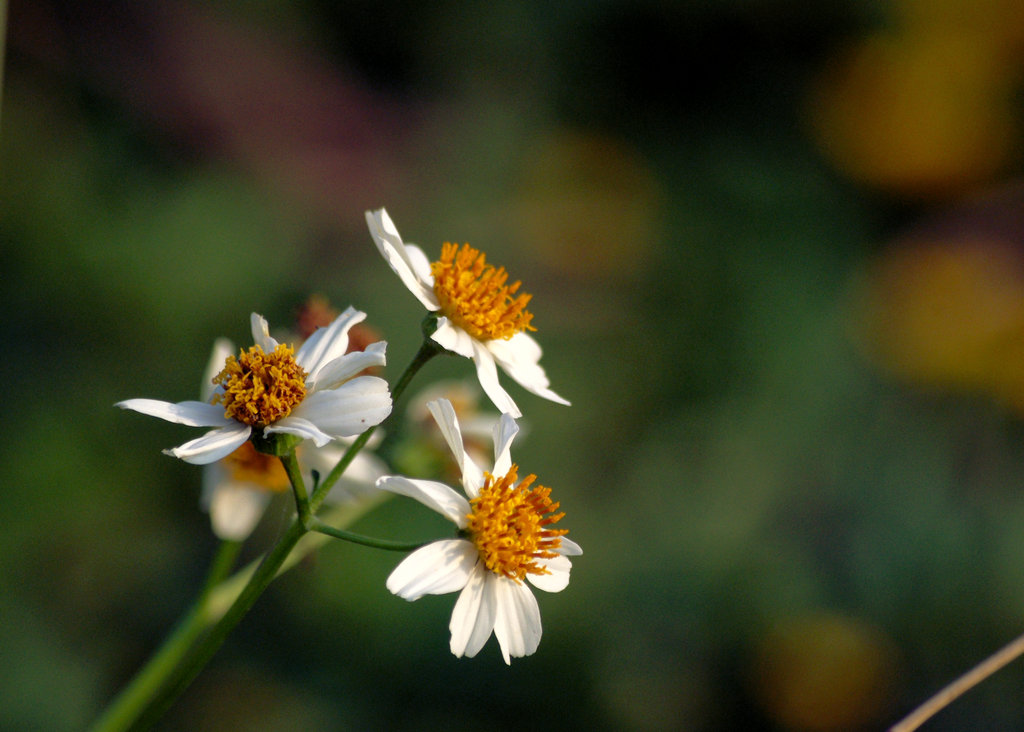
[475, 297]
[509, 525]
[247, 465]
[260, 388]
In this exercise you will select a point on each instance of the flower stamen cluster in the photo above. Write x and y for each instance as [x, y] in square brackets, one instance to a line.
[260, 388]
[475, 295]
[509, 525]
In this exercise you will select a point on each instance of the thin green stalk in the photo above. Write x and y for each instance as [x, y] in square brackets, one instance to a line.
[128, 705]
[291, 468]
[319, 526]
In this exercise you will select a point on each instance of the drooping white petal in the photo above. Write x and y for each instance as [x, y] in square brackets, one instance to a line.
[519, 357]
[304, 428]
[505, 430]
[327, 344]
[558, 580]
[349, 410]
[341, 369]
[473, 616]
[435, 569]
[569, 547]
[214, 445]
[192, 413]
[235, 509]
[389, 244]
[222, 348]
[261, 333]
[487, 373]
[433, 495]
[516, 619]
[452, 338]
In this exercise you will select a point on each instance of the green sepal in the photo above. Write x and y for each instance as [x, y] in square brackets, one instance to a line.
[277, 444]
[429, 325]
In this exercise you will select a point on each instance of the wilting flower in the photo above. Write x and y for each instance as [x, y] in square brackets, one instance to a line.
[238, 487]
[505, 536]
[480, 316]
[314, 394]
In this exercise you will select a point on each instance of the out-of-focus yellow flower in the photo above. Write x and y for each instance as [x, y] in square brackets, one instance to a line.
[824, 672]
[947, 313]
[922, 114]
[587, 204]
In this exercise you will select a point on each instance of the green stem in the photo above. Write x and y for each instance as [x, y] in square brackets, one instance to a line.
[428, 349]
[129, 704]
[291, 467]
[181, 676]
[319, 526]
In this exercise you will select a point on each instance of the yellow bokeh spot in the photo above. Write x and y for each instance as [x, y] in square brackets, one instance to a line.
[947, 313]
[922, 114]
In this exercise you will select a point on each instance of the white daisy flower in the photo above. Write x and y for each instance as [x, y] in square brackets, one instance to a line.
[481, 317]
[314, 394]
[505, 536]
[238, 488]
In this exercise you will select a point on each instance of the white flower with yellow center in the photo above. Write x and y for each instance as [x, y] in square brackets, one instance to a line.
[315, 394]
[238, 488]
[480, 316]
[505, 536]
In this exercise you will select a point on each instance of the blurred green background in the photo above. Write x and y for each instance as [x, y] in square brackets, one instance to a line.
[777, 256]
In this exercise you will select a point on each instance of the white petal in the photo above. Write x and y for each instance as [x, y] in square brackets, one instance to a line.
[222, 348]
[558, 580]
[436, 569]
[420, 264]
[389, 244]
[487, 373]
[341, 369]
[569, 547]
[293, 425]
[236, 509]
[517, 618]
[519, 357]
[505, 430]
[214, 445]
[448, 422]
[327, 344]
[261, 333]
[349, 410]
[452, 338]
[473, 616]
[192, 413]
[433, 495]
